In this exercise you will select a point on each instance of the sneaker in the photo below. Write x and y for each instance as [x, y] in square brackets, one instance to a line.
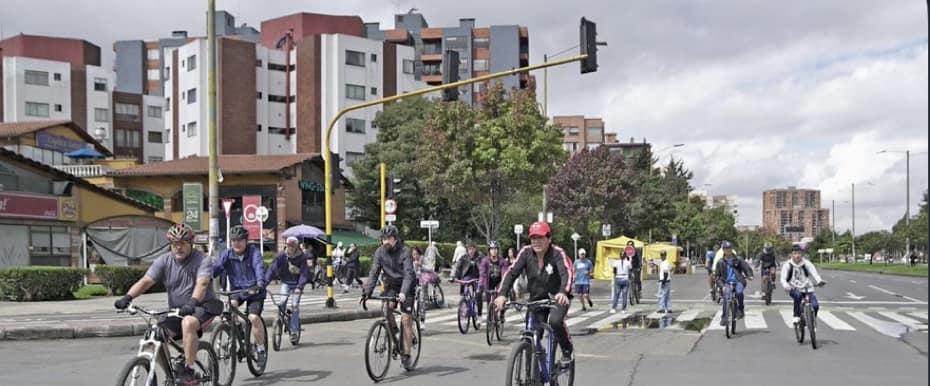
[567, 358]
[723, 322]
[613, 310]
[185, 376]
[583, 308]
[260, 354]
[623, 312]
[796, 320]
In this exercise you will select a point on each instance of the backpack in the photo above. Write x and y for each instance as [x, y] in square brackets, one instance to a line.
[803, 267]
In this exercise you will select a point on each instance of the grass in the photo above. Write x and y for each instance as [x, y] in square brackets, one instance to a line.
[890, 269]
[89, 291]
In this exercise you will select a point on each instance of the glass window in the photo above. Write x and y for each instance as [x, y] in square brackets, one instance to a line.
[351, 157]
[191, 96]
[135, 138]
[153, 159]
[119, 138]
[126, 112]
[191, 129]
[191, 62]
[258, 63]
[355, 125]
[154, 111]
[480, 43]
[101, 115]
[374, 91]
[355, 58]
[100, 84]
[57, 77]
[408, 66]
[595, 134]
[153, 54]
[38, 78]
[355, 92]
[40, 240]
[167, 72]
[153, 74]
[34, 109]
[57, 108]
[571, 130]
[374, 58]
[155, 136]
[480, 65]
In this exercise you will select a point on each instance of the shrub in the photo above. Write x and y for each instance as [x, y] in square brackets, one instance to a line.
[364, 265]
[90, 290]
[118, 279]
[37, 283]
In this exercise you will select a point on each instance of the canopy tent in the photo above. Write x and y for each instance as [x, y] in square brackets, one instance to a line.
[84, 153]
[611, 248]
[651, 252]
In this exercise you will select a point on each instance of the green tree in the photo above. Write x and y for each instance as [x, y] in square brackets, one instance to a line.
[720, 225]
[688, 222]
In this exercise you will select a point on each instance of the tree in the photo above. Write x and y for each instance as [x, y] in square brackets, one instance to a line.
[688, 222]
[720, 226]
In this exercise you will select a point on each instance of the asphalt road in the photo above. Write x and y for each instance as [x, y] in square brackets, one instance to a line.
[878, 339]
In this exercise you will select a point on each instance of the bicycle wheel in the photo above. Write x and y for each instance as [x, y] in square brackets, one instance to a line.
[414, 348]
[811, 324]
[256, 364]
[439, 300]
[378, 351]
[206, 368]
[727, 325]
[224, 346]
[463, 316]
[713, 294]
[733, 316]
[490, 324]
[799, 331]
[519, 365]
[136, 372]
[563, 375]
[278, 334]
[499, 326]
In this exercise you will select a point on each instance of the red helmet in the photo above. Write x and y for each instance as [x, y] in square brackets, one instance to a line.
[540, 228]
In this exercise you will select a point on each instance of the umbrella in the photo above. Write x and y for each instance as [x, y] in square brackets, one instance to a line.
[303, 232]
[83, 153]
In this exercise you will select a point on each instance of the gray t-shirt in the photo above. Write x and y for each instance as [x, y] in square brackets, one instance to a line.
[179, 278]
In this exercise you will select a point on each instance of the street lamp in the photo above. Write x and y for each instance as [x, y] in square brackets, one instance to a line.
[907, 209]
[677, 145]
[546, 58]
[575, 238]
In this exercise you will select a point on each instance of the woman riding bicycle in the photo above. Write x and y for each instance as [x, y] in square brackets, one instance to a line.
[490, 271]
[798, 274]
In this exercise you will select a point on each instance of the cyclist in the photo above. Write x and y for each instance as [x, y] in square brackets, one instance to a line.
[490, 272]
[549, 273]
[583, 268]
[245, 269]
[186, 275]
[731, 269]
[799, 273]
[709, 265]
[467, 268]
[392, 261]
[291, 268]
[767, 263]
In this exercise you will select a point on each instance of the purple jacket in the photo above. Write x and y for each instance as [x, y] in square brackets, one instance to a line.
[280, 268]
[486, 267]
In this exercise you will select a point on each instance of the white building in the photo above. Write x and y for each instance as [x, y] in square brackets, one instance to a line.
[153, 123]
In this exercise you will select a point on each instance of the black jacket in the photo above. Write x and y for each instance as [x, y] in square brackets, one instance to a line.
[352, 258]
[743, 270]
[397, 266]
[556, 275]
[767, 260]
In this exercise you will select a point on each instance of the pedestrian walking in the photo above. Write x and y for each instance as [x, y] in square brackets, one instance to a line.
[621, 268]
[456, 255]
[583, 268]
[665, 287]
[352, 267]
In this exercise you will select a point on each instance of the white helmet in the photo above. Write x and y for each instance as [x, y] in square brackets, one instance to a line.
[582, 252]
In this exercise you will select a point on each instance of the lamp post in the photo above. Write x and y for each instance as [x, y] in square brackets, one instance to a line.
[662, 150]
[575, 238]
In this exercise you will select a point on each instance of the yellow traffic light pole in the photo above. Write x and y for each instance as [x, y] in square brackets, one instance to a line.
[381, 182]
[327, 158]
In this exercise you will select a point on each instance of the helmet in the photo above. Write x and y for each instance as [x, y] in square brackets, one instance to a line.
[238, 232]
[180, 232]
[493, 245]
[726, 245]
[540, 228]
[388, 231]
[292, 241]
[796, 248]
[582, 252]
[767, 245]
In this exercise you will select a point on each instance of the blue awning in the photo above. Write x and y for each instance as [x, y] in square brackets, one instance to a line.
[84, 152]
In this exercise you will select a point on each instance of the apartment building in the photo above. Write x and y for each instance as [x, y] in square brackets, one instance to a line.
[794, 213]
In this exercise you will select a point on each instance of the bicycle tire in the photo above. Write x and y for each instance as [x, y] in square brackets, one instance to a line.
[490, 324]
[463, 307]
[558, 373]
[799, 331]
[519, 365]
[256, 368]
[208, 371]
[733, 315]
[727, 326]
[440, 300]
[225, 352]
[378, 336]
[415, 349]
[499, 326]
[278, 334]
[811, 325]
[126, 374]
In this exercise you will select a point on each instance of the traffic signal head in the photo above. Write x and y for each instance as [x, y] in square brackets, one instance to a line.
[588, 46]
[450, 74]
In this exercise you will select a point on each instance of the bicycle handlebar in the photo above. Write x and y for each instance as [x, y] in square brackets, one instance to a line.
[549, 303]
[465, 282]
[251, 291]
[134, 309]
[365, 300]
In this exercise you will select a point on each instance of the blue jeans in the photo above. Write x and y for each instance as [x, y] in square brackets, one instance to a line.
[726, 297]
[294, 323]
[796, 295]
[621, 288]
[664, 295]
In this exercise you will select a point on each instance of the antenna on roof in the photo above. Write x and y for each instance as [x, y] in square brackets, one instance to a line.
[412, 10]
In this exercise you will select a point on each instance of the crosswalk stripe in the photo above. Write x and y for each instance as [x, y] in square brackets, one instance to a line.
[688, 315]
[885, 328]
[833, 321]
[608, 321]
[788, 316]
[715, 322]
[754, 320]
[583, 317]
[912, 323]
[922, 315]
[444, 316]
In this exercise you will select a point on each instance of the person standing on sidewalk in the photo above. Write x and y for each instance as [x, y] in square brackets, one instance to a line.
[291, 268]
[621, 269]
[665, 287]
[583, 268]
[352, 266]
[456, 255]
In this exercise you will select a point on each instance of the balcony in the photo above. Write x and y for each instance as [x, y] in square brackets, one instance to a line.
[84, 171]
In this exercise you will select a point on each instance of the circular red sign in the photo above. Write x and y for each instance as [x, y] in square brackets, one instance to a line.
[630, 251]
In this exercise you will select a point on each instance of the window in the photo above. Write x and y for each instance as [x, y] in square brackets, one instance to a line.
[571, 131]
[168, 104]
[119, 137]
[49, 245]
[153, 54]
[155, 136]
[57, 77]
[57, 108]
[100, 84]
[127, 138]
[278, 98]
[101, 115]
[278, 130]
[280, 67]
[259, 95]
[259, 128]
[167, 73]
[408, 66]
[153, 74]
[351, 157]
[355, 92]
[355, 58]
[154, 159]
[480, 65]
[126, 112]
[154, 111]
[479, 43]
[191, 129]
[355, 125]
[134, 138]
[374, 91]
[374, 58]
[192, 63]
[432, 48]
[191, 96]
[34, 109]
[595, 134]
[432, 69]
[38, 78]
[258, 63]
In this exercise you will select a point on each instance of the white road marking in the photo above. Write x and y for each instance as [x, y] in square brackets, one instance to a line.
[788, 317]
[608, 321]
[583, 317]
[715, 322]
[922, 315]
[893, 330]
[882, 290]
[833, 321]
[688, 315]
[912, 323]
[754, 320]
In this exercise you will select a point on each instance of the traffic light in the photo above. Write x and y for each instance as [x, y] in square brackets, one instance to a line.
[393, 188]
[450, 74]
[588, 46]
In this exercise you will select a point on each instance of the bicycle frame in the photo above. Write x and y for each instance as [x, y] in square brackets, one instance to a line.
[235, 319]
[282, 311]
[470, 295]
[159, 340]
[532, 333]
[390, 319]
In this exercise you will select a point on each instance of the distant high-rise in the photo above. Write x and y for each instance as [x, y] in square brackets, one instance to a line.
[794, 213]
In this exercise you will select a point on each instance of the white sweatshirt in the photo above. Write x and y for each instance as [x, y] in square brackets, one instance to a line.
[798, 278]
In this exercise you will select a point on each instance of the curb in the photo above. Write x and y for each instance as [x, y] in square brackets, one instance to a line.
[85, 329]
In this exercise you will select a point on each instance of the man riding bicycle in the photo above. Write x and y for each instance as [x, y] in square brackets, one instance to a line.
[186, 275]
[245, 269]
[768, 264]
[490, 272]
[291, 268]
[467, 268]
[709, 265]
[731, 269]
[799, 274]
[393, 262]
[549, 273]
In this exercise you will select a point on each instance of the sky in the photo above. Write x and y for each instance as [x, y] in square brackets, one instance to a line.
[763, 94]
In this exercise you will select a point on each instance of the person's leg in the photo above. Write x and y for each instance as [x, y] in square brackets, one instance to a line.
[189, 327]
[725, 302]
[617, 288]
[480, 294]
[255, 310]
[559, 329]
[796, 296]
[624, 292]
[406, 320]
[739, 298]
[295, 312]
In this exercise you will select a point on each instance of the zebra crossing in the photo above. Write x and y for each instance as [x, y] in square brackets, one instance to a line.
[888, 322]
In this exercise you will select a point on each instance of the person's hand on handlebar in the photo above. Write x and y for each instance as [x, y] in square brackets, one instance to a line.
[561, 298]
[499, 302]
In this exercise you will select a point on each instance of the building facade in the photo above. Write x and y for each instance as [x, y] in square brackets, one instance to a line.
[583, 133]
[794, 213]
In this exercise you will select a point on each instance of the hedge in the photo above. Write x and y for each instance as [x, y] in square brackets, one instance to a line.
[36, 283]
[118, 279]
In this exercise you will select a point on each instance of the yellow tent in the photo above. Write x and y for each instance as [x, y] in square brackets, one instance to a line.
[607, 252]
[651, 253]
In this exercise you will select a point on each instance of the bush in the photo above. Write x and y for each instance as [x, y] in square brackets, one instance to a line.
[89, 291]
[118, 279]
[37, 283]
[364, 265]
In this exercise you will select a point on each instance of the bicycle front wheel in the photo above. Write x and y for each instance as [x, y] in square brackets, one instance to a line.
[520, 365]
[378, 351]
[256, 362]
[224, 346]
[206, 368]
[490, 324]
[439, 300]
[730, 317]
[811, 325]
[463, 316]
[136, 372]
[417, 344]
[278, 334]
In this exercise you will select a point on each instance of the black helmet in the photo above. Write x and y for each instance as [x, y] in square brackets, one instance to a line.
[726, 245]
[796, 248]
[238, 232]
[389, 231]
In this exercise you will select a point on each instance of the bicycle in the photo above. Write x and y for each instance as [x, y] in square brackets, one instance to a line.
[730, 322]
[531, 363]
[282, 325]
[494, 325]
[468, 305]
[808, 319]
[432, 293]
[155, 349]
[714, 291]
[384, 340]
[232, 339]
[768, 284]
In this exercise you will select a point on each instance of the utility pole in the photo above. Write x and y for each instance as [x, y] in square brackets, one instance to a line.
[854, 223]
[907, 211]
[833, 228]
[214, 187]
[381, 177]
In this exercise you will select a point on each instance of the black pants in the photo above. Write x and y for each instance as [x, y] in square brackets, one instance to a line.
[352, 275]
[557, 322]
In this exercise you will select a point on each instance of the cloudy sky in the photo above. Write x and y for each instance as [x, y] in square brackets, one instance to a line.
[763, 94]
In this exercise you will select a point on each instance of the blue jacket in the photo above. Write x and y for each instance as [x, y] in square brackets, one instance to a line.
[242, 274]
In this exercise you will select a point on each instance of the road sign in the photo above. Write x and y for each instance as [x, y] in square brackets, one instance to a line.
[576, 236]
[430, 224]
[549, 217]
[518, 229]
[605, 230]
[262, 214]
[390, 207]
[227, 205]
[390, 217]
[193, 204]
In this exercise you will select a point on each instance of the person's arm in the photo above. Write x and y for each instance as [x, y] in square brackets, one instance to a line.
[273, 268]
[220, 266]
[258, 265]
[204, 277]
[515, 270]
[373, 273]
[784, 275]
[483, 268]
[410, 274]
[813, 272]
[566, 272]
[141, 287]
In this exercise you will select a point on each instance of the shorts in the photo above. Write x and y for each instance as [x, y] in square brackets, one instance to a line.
[173, 323]
[407, 306]
[582, 289]
[255, 304]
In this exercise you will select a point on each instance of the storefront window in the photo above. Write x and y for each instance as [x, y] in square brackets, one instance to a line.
[49, 246]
